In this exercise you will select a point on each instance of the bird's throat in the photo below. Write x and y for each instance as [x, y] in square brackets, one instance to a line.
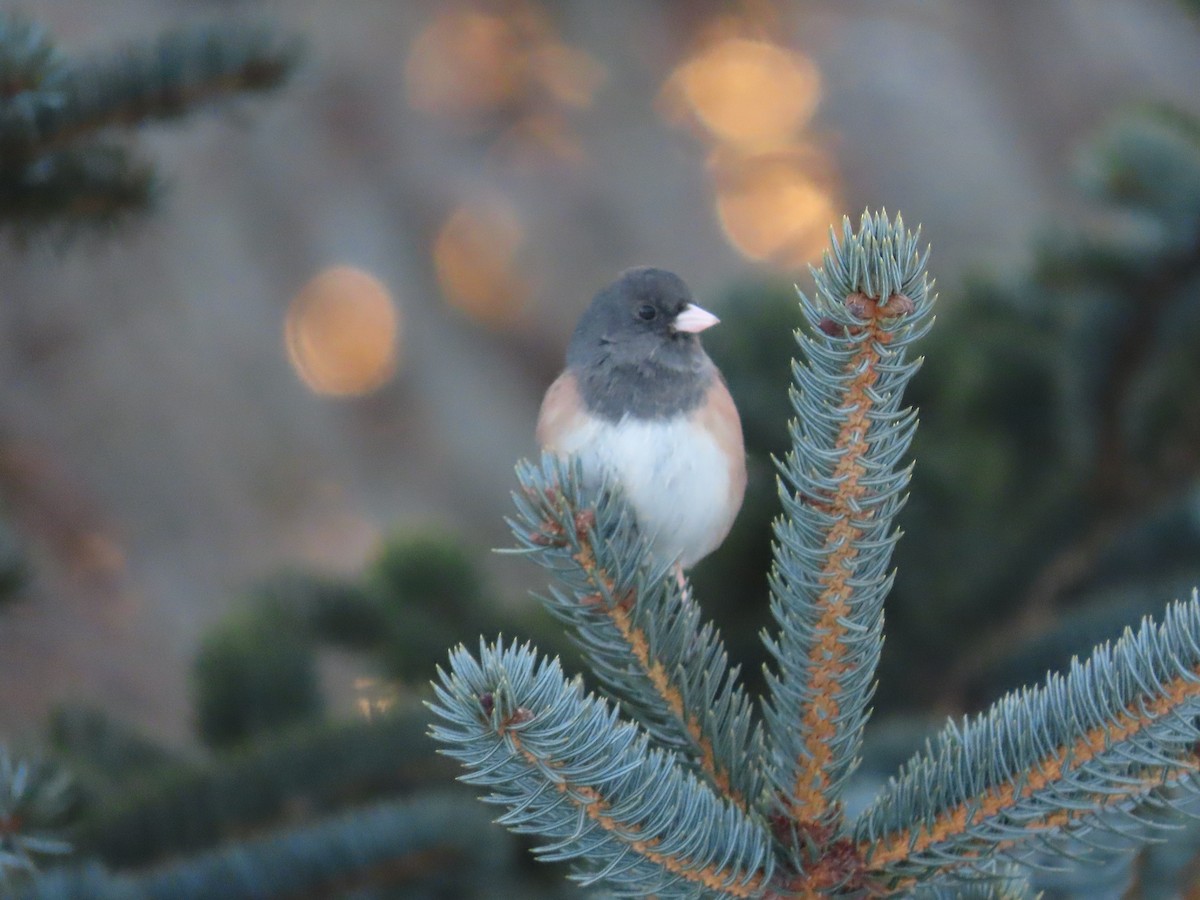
[613, 392]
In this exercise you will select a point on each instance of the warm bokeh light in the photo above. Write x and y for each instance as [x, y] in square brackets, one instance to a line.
[506, 74]
[774, 190]
[752, 94]
[772, 208]
[475, 256]
[466, 62]
[342, 332]
[375, 697]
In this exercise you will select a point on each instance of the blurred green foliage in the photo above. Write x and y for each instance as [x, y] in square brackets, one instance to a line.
[295, 774]
[101, 753]
[430, 596]
[290, 803]
[253, 675]
[14, 564]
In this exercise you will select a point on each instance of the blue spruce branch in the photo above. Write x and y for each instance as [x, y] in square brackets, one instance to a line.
[1095, 750]
[841, 489]
[642, 632]
[689, 797]
[32, 799]
[570, 770]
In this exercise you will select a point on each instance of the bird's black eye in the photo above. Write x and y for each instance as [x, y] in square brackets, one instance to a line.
[646, 312]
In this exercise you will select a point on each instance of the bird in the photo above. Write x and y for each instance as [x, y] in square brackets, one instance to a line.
[640, 402]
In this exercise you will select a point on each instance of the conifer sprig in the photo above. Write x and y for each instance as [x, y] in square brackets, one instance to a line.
[689, 799]
[1079, 754]
[841, 487]
[570, 770]
[643, 634]
[30, 801]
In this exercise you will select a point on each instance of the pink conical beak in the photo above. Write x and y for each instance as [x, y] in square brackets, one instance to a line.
[694, 319]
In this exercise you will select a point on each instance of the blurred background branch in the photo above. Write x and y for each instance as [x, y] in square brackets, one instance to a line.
[65, 154]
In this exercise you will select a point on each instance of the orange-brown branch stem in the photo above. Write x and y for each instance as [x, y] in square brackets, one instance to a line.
[599, 810]
[656, 673]
[827, 666]
[954, 822]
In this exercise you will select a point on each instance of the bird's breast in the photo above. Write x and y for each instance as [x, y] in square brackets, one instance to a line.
[675, 473]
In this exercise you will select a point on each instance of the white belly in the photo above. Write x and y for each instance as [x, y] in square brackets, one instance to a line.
[673, 473]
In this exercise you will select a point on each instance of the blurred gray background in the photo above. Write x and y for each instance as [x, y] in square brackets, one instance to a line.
[173, 427]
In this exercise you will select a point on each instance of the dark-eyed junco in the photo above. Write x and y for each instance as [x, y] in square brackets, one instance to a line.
[640, 401]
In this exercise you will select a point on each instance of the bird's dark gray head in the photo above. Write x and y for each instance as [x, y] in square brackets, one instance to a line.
[636, 350]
